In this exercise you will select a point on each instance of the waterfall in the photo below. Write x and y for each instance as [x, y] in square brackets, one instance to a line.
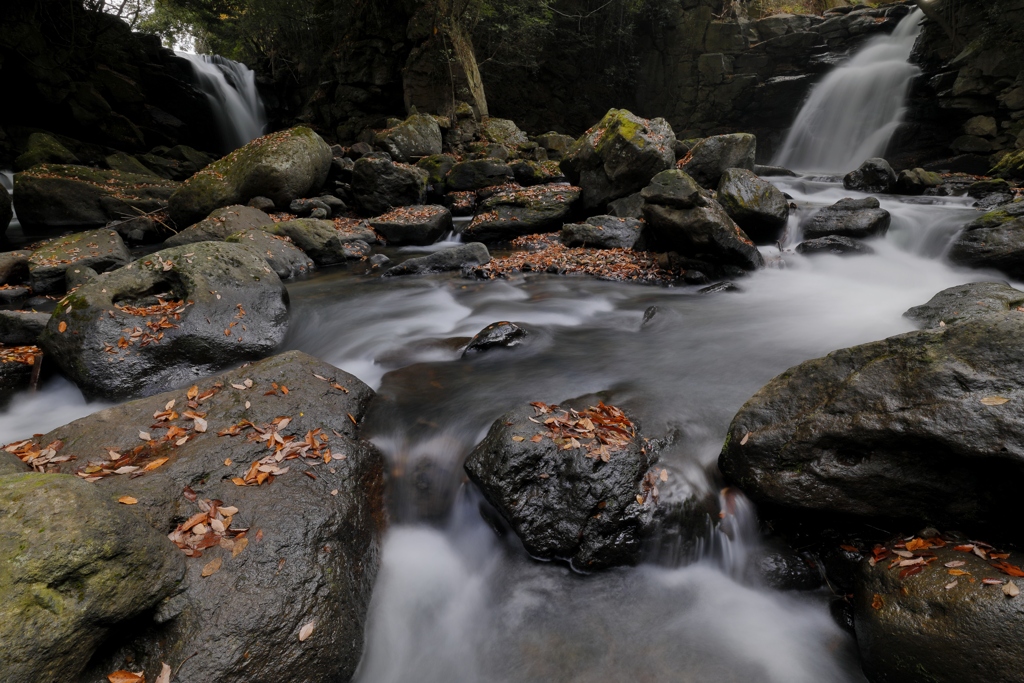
[231, 89]
[852, 114]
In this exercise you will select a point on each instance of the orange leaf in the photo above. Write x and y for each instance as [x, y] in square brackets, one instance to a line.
[153, 465]
[910, 571]
[122, 676]
[63, 326]
[876, 603]
[212, 567]
[1007, 568]
[127, 500]
[918, 544]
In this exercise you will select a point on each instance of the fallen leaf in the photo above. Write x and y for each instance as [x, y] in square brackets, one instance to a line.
[876, 602]
[127, 500]
[955, 563]
[918, 544]
[994, 400]
[1011, 590]
[518, 438]
[193, 391]
[911, 571]
[165, 673]
[212, 567]
[951, 585]
[958, 572]
[200, 424]
[247, 405]
[284, 390]
[334, 492]
[145, 436]
[122, 676]
[664, 475]
[306, 631]
[240, 544]
[746, 437]
[352, 418]
[993, 582]
[62, 327]
[153, 465]
[1007, 568]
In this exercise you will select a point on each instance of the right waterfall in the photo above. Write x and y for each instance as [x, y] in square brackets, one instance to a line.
[852, 114]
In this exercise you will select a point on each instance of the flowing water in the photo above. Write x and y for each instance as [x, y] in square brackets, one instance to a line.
[231, 89]
[852, 114]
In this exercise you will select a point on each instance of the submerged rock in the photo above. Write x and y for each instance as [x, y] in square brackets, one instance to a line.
[874, 175]
[453, 258]
[927, 426]
[222, 304]
[287, 599]
[966, 302]
[684, 220]
[857, 218]
[589, 511]
[711, 157]
[380, 185]
[76, 563]
[496, 335]
[834, 244]
[618, 157]
[282, 166]
[756, 205]
[417, 225]
[605, 232]
[220, 223]
[512, 213]
[54, 196]
[100, 250]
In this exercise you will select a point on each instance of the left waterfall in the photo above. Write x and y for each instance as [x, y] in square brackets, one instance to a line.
[231, 89]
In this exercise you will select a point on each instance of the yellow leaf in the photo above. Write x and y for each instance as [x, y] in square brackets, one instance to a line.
[240, 545]
[122, 676]
[212, 567]
[63, 326]
[238, 481]
[127, 500]
[518, 438]
[153, 465]
[994, 400]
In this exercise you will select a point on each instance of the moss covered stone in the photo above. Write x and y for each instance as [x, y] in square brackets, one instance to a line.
[43, 148]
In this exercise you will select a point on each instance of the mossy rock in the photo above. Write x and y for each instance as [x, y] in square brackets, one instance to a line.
[100, 250]
[437, 167]
[43, 148]
[1010, 166]
[417, 137]
[282, 166]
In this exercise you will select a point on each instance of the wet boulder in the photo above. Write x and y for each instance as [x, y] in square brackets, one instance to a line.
[321, 240]
[926, 426]
[502, 132]
[522, 211]
[711, 157]
[529, 173]
[14, 266]
[417, 137]
[477, 174]
[54, 196]
[834, 244]
[618, 157]
[100, 250]
[417, 225]
[500, 335]
[682, 218]
[76, 563]
[281, 570]
[966, 302]
[856, 218]
[936, 627]
[219, 224]
[20, 328]
[6, 209]
[627, 207]
[756, 205]
[874, 175]
[43, 148]
[166, 319]
[11, 464]
[605, 232]
[567, 497]
[380, 185]
[437, 167]
[453, 258]
[282, 166]
[916, 181]
[278, 251]
[995, 240]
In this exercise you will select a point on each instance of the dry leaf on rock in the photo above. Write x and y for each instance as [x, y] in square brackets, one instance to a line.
[306, 631]
[122, 676]
[212, 567]
[165, 673]
[994, 400]
[127, 500]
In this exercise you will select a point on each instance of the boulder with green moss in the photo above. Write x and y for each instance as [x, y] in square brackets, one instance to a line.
[1011, 166]
[477, 174]
[283, 166]
[417, 137]
[915, 181]
[503, 132]
[437, 167]
[993, 240]
[530, 173]
[56, 196]
[75, 564]
[756, 205]
[618, 157]
[166, 319]
[522, 211]
[380, 184]
[220, 223]
[280, 253]
[43, 148]
[710, 157]
[101, 250]
[322, 240]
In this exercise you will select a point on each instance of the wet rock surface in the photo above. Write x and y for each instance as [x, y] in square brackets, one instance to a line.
[100, 250]
[711, 157]
[856, 218]
[966, 302]
[221, 223]
[453, 258]
[995, 240]
[221, 304]
[605, 232]
[516, 212]
[874, 175]
[321, 240]
[18, 328]
[280, 253]
[380, 185]
[75, 564]
[834, 244]
[416, 225]
[500, 335]
[756, 205]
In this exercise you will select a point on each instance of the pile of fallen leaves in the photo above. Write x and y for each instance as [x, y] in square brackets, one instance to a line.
[46, 459]
[209, 527]
[410, 214]
[600, 430]
[546, 254]
[281, 446]
[170, 308]
[152, 331]
[25, 355]
[914, 555]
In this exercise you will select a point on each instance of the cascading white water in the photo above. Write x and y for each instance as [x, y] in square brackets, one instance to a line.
[231, 89]
[852, 114]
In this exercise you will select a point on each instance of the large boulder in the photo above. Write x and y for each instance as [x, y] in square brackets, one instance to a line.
[712, 156]
[278, 251]
[572, 487]
[502, 132]
[477, 174]
[927, 426]
[756, 205]
[22, 328]
[994, 240]
[278, 581]
[874, 175]
[916, 181]
[380, 185]
[417, 137]
[6, 209]
[322, 240]
[939, 625]
[453, 258]
[966, 302]
[605, 232]
[684, 219]
[618, 157]
[75, 564]
[100, 250]
[43, 148]
[282, 166]
[14, 266]
[54, 196]
[856, 218]
[416, 225]
[168, 318]
[522, 211]
[219, 224]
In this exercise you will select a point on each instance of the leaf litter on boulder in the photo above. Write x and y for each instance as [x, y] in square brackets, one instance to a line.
[209, 527]
[282, 446]
[599, 430]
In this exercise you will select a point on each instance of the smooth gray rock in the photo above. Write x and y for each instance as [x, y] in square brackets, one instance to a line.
[710, 157]
[605, 232]
[380, 185]
[417, 137]
[966, 302]
[472, 254]
[416, 225]
[22, 328]
[756, 205]
[874, 175]
[287, 260]
[857, 218]
[834, 244]
[512, 213]
[100, 250]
